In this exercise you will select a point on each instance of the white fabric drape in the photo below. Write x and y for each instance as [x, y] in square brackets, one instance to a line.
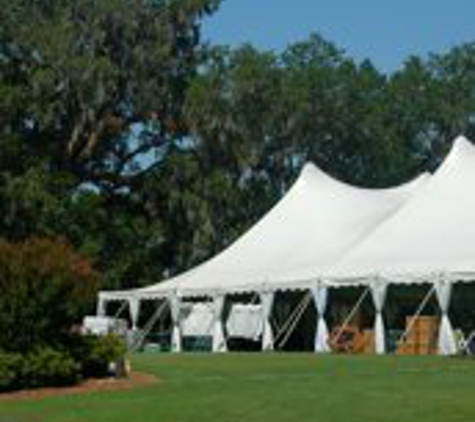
[101, 307]
[245, 321]
[320, 297]
[175, 310]
[378, 292]
[267, 301]
[134, 307]
[447, 344]
[219, 342]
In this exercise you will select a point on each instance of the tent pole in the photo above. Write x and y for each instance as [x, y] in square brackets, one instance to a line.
[350, 316]
[304, 304]
[412, 321]
[446, 342]
[149, 325]
[289, 320]
[121, 309]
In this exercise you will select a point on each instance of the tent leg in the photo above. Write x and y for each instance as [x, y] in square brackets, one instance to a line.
[320, 298]
[219, 338]
[379, 290]
[175, 310]
[447, 344]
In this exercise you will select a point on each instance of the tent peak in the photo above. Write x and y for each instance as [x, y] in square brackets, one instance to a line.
[460, 147]
[461, 151]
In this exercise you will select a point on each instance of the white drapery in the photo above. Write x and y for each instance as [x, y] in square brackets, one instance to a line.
[267, 301]
[175, 310]
[378, 292]
[219, 342]
[447, 344]
[245, 321]
[134, 308]
[101, 307]
[320, 297]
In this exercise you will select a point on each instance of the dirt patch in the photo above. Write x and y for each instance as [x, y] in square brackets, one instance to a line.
[135, 379]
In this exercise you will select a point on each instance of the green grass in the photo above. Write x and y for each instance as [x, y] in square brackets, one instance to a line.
[274, 388]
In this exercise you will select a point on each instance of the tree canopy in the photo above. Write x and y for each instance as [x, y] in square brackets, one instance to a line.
[150, 150]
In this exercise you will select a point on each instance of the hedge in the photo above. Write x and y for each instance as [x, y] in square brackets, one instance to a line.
[88, 356]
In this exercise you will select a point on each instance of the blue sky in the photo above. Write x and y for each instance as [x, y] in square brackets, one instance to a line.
[387, 32]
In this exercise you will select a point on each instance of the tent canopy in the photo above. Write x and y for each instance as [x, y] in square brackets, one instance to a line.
[312, 226]
[433, 234]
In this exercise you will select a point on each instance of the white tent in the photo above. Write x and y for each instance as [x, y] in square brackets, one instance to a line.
[324, 233]
[316, 222]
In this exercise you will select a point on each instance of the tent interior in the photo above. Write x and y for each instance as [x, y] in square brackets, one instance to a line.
[330, 267]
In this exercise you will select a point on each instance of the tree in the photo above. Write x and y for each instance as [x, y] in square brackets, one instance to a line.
[91, 96]
[89, 86]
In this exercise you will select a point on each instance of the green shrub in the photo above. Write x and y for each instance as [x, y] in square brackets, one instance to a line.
[48, 367]
[95, 353]
[87, 356]
[42, 368]
[10, 371]
[102, 351]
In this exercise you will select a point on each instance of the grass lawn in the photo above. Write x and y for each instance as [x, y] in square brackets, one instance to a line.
[274, 388]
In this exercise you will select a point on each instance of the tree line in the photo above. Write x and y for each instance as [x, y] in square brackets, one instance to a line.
[128, 136]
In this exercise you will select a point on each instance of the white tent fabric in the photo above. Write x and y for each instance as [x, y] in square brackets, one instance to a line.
[245, 321]
[196, 319]
[447, 344]
[101, 307]
[378, 292]
[267, 300]
[175, 309]
[134, 307]
[316, 222]
[431, 234]
[320, 297]
[219, 341]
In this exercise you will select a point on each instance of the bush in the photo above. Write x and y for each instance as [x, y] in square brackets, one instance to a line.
[87, 356]
[102, 351]
[45, 288]
[49, 368]
[95, 353]
[43, 368]
[10, 371]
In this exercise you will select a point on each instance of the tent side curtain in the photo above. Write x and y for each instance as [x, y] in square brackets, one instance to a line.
[175, 309]
[219, 340]
[447, 344]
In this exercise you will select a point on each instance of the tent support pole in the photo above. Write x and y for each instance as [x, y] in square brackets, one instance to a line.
[416, 315]
[350, 316]
[281, 330]
[296, 318]
[121, 308]
[149, 325]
